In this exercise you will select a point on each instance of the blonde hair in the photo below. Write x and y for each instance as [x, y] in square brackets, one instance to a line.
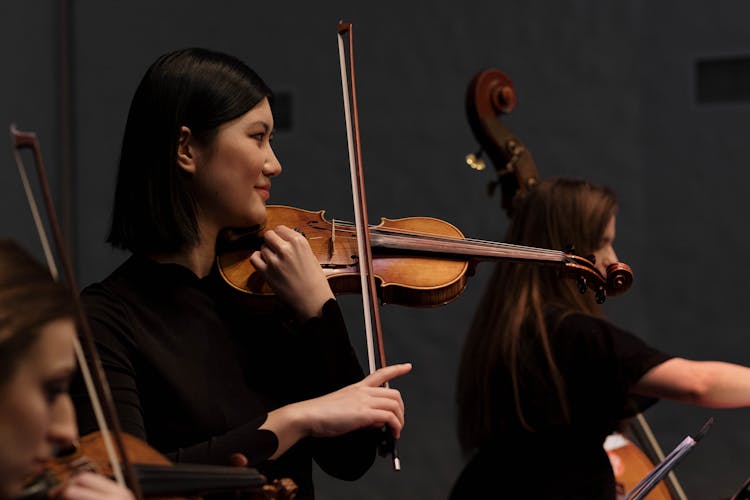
[29, 299]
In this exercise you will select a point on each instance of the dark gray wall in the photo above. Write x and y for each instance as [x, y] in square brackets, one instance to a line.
[606, 92]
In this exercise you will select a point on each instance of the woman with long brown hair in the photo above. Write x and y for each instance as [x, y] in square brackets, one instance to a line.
[544, 378]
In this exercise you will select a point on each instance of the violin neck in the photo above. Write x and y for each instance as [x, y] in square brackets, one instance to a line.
[195, 480]
[459, 248]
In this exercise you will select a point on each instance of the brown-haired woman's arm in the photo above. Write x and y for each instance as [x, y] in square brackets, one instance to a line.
[713, 384]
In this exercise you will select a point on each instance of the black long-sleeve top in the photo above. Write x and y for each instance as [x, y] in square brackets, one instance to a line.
[561, 458]
[194, 372]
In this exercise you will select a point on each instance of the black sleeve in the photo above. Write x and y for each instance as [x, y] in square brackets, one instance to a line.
[257, 445]
[327, 353]
[115, 345]
[603, 363]
[330, 357]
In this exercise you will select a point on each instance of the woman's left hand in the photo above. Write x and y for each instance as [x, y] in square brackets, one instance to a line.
[288, 264]
[90, 486]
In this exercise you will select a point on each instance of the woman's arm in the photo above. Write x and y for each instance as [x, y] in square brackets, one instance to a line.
[712, 384]
[357, 406]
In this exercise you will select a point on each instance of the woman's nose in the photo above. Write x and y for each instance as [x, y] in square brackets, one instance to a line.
[608, 257]
[62, 430]
[272, 166]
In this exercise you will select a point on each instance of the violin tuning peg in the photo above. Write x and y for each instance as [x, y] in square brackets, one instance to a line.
[581, 284]
[474, 160]
[601, 296]
[570, 249]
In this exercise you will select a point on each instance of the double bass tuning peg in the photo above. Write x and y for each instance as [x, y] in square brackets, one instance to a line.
[475, 161]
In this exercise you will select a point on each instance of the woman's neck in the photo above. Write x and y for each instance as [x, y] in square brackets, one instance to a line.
[199, 258]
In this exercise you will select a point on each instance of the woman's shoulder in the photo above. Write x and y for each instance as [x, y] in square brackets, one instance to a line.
[590, 335]
[589, 332]
[113, 287]
[571, 321]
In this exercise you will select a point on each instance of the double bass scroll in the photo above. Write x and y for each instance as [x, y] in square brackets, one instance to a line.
[489, 95]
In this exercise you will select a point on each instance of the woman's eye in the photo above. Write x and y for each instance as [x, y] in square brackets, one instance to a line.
[54, 389]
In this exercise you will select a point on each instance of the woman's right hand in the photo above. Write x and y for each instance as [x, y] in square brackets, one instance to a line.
[362, 405]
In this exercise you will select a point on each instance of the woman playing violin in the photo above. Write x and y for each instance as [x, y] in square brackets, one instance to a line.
[544, 378]
[194, 374]
[36, 363]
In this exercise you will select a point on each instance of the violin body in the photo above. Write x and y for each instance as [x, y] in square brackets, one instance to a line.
[404, 277]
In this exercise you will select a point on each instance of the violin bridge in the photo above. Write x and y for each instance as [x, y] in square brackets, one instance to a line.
[332, 240]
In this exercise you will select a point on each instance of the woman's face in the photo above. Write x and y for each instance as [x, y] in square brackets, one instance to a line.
[605, 254]
[36, 412]
[233, 173]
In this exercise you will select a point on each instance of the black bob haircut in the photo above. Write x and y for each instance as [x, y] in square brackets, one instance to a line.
[154, 207]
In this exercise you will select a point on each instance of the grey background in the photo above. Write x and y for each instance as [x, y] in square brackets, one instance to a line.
[606, 92]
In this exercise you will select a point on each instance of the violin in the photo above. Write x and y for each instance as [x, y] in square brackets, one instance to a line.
[418, 261]
[156, 476]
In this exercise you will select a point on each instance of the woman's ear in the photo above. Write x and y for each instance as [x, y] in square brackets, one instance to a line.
[186, 151]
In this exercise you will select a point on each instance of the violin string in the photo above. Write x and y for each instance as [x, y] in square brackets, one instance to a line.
[344, 227]
[449, 239]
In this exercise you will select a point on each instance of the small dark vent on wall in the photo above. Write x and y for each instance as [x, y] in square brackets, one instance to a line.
[723, 80]
[281, 105]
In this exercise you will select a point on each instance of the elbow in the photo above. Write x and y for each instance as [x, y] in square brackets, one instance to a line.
[698, 393]
[701, 383]
[698, 384]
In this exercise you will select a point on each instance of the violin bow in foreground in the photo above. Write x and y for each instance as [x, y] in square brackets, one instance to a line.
[93, 374]
[367, 275]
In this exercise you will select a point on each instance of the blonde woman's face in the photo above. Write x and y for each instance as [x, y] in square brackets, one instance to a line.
[36, 412]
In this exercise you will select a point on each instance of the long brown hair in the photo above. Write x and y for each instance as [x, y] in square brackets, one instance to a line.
[29, 299]
[556, 214]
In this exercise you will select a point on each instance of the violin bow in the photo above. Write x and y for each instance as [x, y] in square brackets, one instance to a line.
[86, 354]
[646, 438]
[367, 276]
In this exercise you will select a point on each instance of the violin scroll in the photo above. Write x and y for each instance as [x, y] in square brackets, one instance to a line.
[618, 280]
